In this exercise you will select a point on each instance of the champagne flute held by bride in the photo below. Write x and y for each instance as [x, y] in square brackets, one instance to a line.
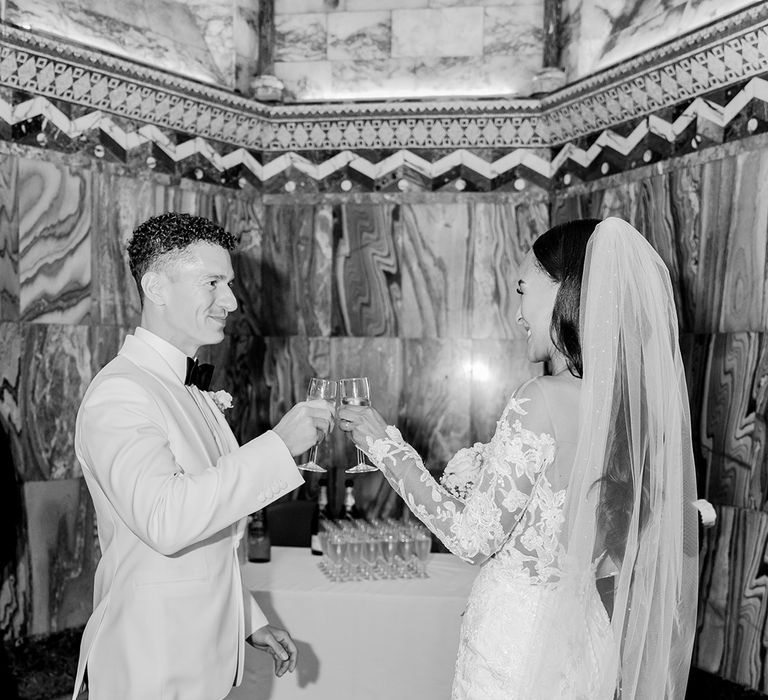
[354, 391]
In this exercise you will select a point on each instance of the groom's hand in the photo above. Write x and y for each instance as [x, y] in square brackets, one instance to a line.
[304, 425]
[277, 643]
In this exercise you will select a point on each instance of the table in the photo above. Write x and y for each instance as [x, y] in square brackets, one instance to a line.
[359, 640]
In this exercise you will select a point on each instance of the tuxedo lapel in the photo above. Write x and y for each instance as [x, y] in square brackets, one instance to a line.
[192, 421]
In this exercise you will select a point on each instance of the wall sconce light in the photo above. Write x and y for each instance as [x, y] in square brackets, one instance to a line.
[98, 151]
[41, 139]
[402, 184]
[567, 179]
[198, 174]
[290, 186]
[346, 185]
[477, 370]
[647, 155]
[241, 182]
[752, 125]
[604, 168]
[151, 162]
[519, 184]
[460, 184]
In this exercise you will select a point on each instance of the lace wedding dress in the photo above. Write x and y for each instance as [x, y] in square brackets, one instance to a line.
[501, 504]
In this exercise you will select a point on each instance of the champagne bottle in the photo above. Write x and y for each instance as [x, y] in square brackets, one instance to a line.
[259, 545]
[349, 511]
[320, 515]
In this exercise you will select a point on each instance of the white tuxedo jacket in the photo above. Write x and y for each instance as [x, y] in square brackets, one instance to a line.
[171, 489]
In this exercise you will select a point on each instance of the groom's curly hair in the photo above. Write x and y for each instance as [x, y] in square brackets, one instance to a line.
[161, 238]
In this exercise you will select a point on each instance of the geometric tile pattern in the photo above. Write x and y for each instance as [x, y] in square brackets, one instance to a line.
[702, 119]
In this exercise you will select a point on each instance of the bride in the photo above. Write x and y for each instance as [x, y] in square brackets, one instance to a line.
[588, 478]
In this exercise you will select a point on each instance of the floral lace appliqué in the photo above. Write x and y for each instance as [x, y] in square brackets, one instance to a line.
[493, 498]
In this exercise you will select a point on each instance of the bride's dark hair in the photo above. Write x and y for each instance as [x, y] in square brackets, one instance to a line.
[561, 253]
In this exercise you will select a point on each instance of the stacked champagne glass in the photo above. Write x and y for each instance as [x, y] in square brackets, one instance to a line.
[367, 550]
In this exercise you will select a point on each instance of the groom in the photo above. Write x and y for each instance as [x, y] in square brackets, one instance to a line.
[171, 487]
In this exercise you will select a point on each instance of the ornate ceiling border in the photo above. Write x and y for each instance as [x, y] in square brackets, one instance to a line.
[728, 51]
[698, 90]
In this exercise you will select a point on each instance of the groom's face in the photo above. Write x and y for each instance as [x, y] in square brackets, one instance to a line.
[197, 296]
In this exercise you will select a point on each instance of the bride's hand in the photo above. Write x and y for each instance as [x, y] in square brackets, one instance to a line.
[361, 422]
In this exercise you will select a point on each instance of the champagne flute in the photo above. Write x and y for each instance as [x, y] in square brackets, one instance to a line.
[389, 552]
[354, 391]
[423, 548]
[318, 389]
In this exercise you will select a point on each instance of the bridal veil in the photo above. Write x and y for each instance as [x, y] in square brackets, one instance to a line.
[630, 496]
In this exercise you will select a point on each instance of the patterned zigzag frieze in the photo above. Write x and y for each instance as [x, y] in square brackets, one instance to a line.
[701, 112]
[701, 117]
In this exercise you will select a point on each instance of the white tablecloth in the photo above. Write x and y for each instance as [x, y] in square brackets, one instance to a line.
[366, 640]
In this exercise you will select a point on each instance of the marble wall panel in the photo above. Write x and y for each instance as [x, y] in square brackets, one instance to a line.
[359, 35]
[9, 240]
[729, 405]
[202, 31]
[435, 251]
[239, 369]
[435, 404]
[14, 566]
[15, 601]
[517, 28]
[122, 204]
[377, 78]
[497, 368]
[11, 350]
[284, 7]
[296, 269]
[130, 12]
[56, 371]
[367, 293]
[734, 229]
[215, 20]
[431, 76]
[503, 233]
[362, 5]
[695, 351]
[437, 32]
[243, 217]
[733, 598]
[162, 34]
[63, 553]
[55, 222]
[190, 198]
[104, 342]
[602, 33]
[287, 365]
[301, 37]
[666, 211]
[307, 79]
[245, 37]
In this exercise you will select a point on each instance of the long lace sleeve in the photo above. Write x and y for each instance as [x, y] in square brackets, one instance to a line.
[502, 480]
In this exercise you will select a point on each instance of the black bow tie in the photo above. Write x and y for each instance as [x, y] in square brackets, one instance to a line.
[198, 374]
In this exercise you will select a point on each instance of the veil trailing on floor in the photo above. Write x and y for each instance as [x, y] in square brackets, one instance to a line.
[630, 497]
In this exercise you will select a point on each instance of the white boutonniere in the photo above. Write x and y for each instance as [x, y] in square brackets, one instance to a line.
[222, 399]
